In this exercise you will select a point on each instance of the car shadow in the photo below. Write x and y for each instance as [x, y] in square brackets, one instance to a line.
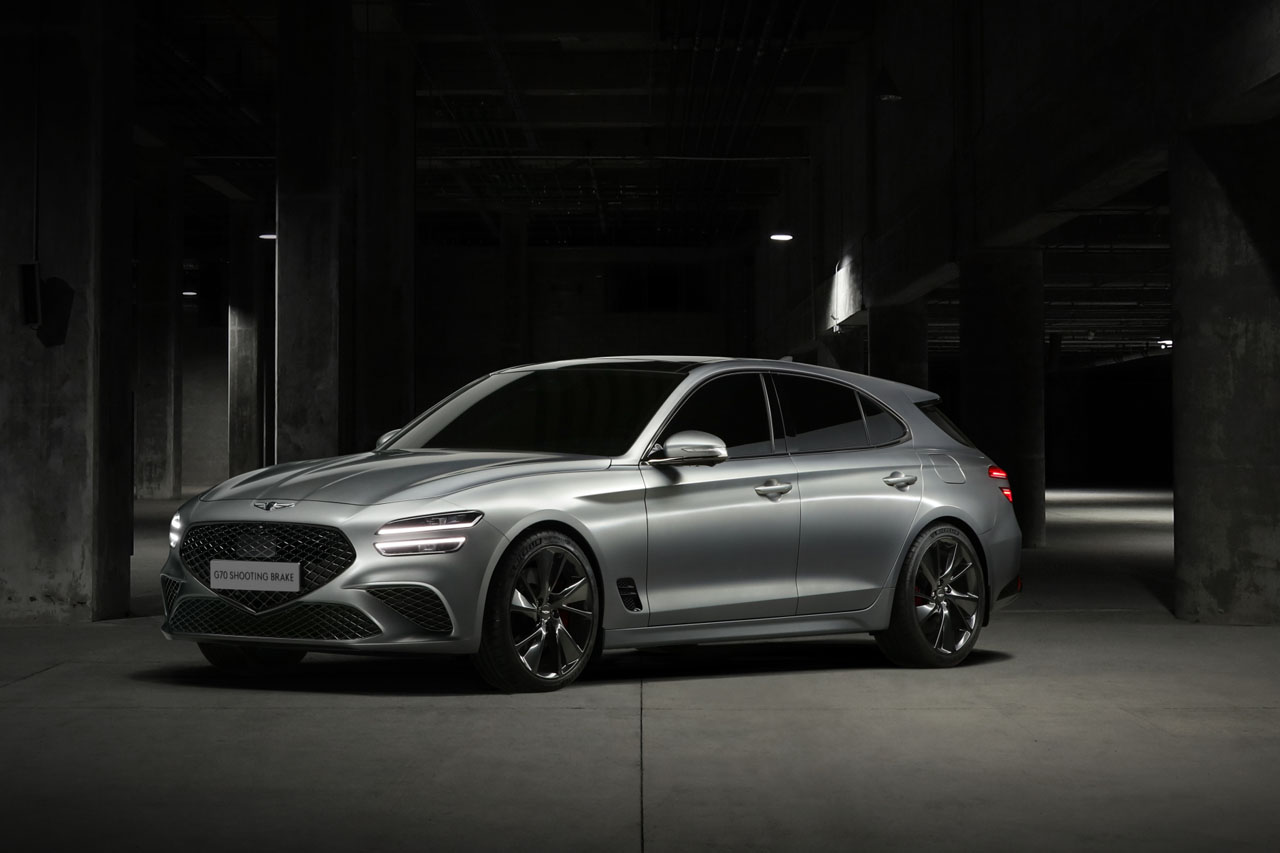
[354, 675]
[441, 675]
[752, 658]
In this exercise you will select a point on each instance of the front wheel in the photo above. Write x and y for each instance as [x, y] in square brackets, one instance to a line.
[938, 603]
[541, 616]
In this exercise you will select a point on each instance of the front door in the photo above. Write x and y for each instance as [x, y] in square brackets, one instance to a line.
[723, 539]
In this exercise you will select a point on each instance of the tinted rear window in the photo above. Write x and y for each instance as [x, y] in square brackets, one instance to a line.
[883, 427]
[819, 415]
[934, 413]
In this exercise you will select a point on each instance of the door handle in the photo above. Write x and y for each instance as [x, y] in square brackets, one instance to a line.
[900, 481]
[772, 489]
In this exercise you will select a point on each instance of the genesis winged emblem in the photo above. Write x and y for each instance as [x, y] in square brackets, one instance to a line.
[270, 505]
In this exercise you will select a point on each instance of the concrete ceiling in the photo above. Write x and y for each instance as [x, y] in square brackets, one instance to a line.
[627, 123]
[630, 123]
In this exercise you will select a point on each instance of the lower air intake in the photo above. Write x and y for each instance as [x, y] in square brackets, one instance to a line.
[302, 621]
[418, 604]
[169, 589]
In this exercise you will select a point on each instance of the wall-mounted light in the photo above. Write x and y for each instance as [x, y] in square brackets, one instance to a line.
[189, 293]
[846, 294]
[781, 236]
[266, 236]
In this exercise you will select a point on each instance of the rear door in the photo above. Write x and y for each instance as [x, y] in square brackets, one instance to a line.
[859, 480]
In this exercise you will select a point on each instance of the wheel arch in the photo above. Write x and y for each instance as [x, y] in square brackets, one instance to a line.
[946, 515]
[558, 524]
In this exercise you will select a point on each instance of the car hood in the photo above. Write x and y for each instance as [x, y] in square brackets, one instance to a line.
[370, 478]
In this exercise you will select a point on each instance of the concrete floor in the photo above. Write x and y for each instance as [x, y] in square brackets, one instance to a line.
[1089, 719]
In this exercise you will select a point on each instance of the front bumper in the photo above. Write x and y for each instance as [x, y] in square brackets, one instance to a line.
[415, 604]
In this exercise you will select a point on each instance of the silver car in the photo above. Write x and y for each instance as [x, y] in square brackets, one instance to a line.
[545, 513]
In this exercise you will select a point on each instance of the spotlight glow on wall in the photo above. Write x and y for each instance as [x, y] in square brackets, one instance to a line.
[846, 294]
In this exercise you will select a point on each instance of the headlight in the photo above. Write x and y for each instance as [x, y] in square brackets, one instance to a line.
[432, 523]
[175, 530]
[426, 524]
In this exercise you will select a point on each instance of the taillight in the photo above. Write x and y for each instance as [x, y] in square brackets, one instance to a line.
[997, 473]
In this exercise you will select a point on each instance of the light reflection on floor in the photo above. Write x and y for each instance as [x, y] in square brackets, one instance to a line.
[1104, 550]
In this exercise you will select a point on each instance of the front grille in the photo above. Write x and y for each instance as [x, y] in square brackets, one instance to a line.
[418, 604]
[301, 621]
[169, 589]
[322, 554]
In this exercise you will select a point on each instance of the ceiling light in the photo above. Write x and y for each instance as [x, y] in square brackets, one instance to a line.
[781, 236]
[189, 293]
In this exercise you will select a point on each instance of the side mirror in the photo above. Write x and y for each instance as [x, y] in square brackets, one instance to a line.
[385, 437]
[689, 447]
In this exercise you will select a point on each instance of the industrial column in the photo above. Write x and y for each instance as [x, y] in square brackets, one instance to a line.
[1226, 375]
[383, 388]
[248, 336]
[157, 406]
[67, 346]
[517, 324]
[313, 225]
[1002, 357]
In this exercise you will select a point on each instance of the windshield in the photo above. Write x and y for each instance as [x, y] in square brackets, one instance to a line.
[591, 411]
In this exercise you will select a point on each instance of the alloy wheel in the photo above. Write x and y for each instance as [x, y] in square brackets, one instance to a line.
[552, 617]
[948, 594]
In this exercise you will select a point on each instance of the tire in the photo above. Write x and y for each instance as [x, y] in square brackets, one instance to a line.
[938, 603]
[541, 616]
[251, 660]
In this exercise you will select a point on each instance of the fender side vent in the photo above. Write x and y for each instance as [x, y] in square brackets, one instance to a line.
[630, 597]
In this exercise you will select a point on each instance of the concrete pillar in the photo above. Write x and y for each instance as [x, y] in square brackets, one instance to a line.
[313, 224]
[1226, 376]
[157, 403]
[517, 324]
[383, 360]
[248, 336]
[899, 342]
[1002, 358]
[66, 430]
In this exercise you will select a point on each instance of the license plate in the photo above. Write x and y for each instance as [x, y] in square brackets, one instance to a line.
[251, 574]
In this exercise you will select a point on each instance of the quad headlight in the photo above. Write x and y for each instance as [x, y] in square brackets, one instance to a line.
[428, 524]
[175, 530]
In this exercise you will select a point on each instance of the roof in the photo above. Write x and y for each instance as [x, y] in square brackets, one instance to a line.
[716, 364]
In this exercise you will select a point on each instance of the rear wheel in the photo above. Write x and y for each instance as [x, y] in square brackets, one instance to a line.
[938, 603]
[541, 618]
[251, 660]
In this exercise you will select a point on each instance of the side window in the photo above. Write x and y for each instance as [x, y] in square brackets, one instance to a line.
[882, 426]
[819, 415]
[732, 407]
